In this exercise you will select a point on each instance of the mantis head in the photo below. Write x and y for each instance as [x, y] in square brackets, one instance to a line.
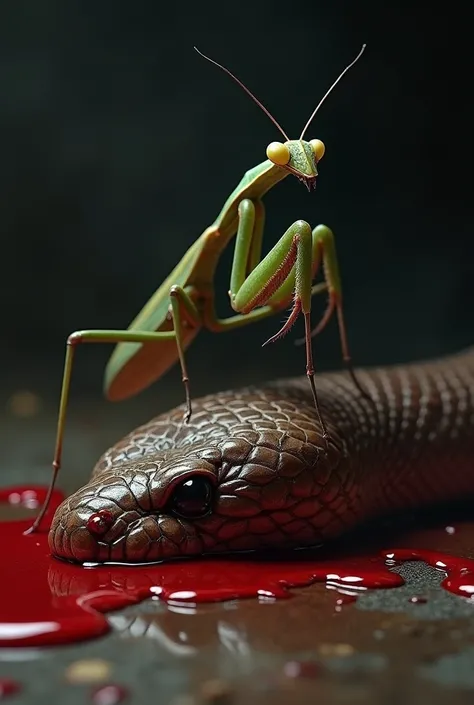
[298, 157]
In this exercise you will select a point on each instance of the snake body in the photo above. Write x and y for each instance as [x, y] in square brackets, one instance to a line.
[251, 470]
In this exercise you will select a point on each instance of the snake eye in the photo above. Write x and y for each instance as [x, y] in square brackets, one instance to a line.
[278, 153]
[192, 498]
[318, 148]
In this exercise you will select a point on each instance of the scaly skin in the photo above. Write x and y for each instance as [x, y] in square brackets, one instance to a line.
[274, 485]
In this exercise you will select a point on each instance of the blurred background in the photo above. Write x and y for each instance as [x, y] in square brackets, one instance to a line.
[119, 145]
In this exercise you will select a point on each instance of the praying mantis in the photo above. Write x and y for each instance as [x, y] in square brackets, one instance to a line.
[259, 288]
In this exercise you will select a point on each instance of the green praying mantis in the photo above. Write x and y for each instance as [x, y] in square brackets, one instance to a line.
[259, 288]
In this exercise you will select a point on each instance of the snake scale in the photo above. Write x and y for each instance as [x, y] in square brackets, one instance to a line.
[251, 471]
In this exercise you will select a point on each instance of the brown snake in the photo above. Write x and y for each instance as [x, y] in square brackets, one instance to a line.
[250, 470]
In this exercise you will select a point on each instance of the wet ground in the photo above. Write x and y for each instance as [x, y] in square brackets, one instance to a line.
[385, 647]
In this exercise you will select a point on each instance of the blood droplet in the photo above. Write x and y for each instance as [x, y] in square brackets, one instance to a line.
[8, 687]
[100, 522]
[109, 695]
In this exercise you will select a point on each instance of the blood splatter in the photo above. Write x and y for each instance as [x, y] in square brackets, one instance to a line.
[45, 601]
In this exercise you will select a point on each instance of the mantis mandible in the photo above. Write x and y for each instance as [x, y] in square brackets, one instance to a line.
[259, 288]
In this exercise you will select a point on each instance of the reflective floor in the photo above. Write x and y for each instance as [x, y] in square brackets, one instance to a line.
[382, 648]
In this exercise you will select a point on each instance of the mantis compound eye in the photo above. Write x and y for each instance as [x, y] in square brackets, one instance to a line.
[318, 148]
[192, 498]
[278, 153]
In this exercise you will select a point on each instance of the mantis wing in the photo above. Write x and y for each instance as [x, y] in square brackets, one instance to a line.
[134, 366]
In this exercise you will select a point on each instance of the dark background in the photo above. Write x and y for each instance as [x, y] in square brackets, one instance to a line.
[119, 145]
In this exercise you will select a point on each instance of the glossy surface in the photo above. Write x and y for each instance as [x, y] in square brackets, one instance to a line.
[273, 483]
[44, 601]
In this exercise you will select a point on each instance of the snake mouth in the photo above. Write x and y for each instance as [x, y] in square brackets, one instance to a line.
[86, 535]
[111, 521]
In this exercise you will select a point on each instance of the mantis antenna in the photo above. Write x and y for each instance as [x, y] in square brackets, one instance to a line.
[330, 89]
[256, 100]
[267, 112]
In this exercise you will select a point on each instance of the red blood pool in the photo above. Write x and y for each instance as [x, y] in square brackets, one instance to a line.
[418, 600]
[45, 601]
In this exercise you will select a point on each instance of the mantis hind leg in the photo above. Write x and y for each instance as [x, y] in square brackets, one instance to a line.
[182, 309]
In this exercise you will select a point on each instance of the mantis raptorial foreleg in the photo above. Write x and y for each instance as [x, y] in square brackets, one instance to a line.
[288, 268]
[292, 261]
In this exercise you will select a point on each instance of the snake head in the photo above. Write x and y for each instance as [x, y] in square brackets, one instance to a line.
[143, 513]
[258, 490]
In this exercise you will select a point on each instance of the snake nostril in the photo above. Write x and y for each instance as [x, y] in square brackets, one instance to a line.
[100, 522]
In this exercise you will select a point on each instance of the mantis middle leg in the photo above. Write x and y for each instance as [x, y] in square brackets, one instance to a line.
[288, 269]
[183, 309]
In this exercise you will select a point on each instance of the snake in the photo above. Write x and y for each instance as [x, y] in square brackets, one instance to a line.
[251, 470]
